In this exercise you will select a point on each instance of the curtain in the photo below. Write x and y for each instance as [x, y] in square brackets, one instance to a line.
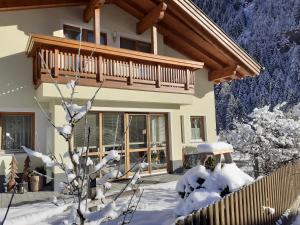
[16, 131]
[80, 135]
[112, 130]
[196, 128]
[158, 130]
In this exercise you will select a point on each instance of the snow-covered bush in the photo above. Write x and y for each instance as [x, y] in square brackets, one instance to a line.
[269, 137]
[200, 187]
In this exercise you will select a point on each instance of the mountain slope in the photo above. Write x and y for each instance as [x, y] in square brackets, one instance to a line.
[269, 30]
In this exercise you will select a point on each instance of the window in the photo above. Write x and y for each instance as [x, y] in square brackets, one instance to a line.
[135, 45]
[112, 131]
[197, 128]
[72, 32]
[16, 130]
[80, 132]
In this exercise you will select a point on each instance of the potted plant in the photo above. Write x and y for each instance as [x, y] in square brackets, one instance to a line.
[37, 181]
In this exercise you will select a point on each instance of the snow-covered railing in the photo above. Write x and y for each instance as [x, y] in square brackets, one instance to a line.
[262, 202]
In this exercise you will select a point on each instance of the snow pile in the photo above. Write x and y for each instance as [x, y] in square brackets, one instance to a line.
[200, 187]
[214, 147]
[33, 214]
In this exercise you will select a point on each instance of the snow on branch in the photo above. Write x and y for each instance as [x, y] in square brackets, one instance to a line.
[48, 160]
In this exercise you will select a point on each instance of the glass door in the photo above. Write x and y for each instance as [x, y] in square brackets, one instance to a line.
[147, 140]
[137, 140]
[158, 143]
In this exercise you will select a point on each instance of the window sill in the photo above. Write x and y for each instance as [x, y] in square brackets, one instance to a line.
[197, 141]
[8, 152]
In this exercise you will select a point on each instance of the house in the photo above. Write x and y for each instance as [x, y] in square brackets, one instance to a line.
[157, 62]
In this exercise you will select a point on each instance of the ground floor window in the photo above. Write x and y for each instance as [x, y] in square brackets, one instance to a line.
[197, 128]
[135, 135]
[16, 130]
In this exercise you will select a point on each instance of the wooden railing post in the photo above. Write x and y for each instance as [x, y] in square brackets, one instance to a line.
[130, 78]
[56, 69]
[34, 69]
[158, 76]
[99, 76]
[187, 83]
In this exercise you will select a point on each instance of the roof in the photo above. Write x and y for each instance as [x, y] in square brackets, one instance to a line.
[185, 28]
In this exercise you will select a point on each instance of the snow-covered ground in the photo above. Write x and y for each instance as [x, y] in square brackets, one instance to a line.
[156, 207]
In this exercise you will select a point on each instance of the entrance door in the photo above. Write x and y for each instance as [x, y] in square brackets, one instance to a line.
[147, 140]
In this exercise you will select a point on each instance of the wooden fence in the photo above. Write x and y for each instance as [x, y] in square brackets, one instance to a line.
[246, 206]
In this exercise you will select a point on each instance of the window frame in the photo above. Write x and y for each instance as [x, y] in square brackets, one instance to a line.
[32, 114]
[84, 32]
[136, 42]
[202, 129]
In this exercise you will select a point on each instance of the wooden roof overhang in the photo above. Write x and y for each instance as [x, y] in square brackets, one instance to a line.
[184, 26]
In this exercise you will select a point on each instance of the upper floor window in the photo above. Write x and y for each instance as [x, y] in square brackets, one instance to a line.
[197, 128]
[72, 32]
[16, 130]
[135, 45]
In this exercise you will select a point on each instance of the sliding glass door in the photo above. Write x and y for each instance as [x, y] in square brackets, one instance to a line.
[147, 141]
[158, 142]
[136, 136]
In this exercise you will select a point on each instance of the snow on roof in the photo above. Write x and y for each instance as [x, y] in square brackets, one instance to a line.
[215, 148]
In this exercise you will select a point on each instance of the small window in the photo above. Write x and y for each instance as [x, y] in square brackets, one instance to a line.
[197, 128]
[135, 45]
[72, 32]
[16, 130]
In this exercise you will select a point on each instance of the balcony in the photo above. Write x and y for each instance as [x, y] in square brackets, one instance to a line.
[116, 68]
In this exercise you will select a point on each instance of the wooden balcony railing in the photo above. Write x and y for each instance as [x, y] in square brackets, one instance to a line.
[118, 68]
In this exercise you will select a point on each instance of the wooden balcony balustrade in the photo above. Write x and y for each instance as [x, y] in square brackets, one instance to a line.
[117, 68]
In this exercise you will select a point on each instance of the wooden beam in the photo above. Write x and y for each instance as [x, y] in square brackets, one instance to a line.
[90, 9]
[97, 25]
[181, 45]
[231, 72]
[153, 17]
[154, 40]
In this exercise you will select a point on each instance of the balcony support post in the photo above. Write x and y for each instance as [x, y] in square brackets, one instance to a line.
[187, 84]
[97, 25]
[154, 40]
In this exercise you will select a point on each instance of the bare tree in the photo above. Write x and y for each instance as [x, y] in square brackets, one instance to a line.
[75, 165]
